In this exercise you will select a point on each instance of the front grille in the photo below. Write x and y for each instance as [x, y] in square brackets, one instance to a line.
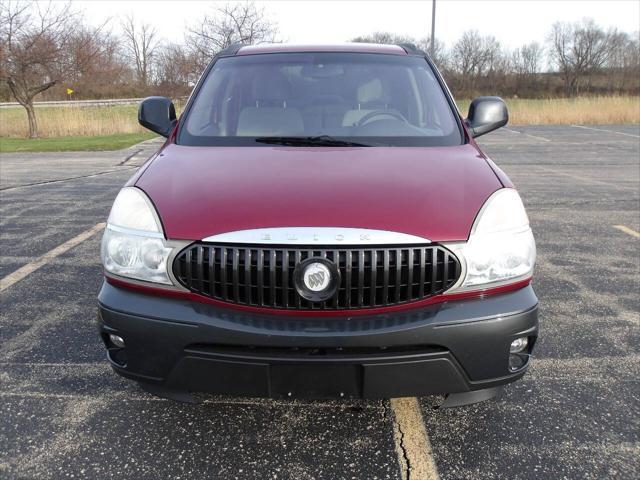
[262, 276]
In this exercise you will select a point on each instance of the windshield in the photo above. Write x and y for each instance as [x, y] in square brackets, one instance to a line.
[320, 99]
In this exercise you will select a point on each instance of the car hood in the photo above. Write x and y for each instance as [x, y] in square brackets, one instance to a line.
[431, 192]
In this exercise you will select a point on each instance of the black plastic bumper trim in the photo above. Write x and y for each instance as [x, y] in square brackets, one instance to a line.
[422, 358]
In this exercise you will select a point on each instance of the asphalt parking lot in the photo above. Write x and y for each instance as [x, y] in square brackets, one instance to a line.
[576, 414]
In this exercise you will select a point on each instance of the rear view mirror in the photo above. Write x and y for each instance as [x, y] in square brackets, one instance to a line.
[486, 114]
[157, 114]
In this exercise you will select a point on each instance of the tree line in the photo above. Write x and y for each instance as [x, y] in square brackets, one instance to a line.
[46, 49]
[579, 58]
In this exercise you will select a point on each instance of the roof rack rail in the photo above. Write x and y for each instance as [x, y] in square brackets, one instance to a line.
[231, 50]
[411, 49]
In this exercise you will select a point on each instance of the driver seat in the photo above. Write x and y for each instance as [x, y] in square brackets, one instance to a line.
[371, 97]
[269, 114]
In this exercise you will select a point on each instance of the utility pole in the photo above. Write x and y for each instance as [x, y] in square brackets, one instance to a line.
[433, 28]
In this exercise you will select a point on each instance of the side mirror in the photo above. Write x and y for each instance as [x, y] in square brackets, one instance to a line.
[157, 114]
[487, 114]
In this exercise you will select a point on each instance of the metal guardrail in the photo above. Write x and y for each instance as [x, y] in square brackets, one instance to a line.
[78, 103]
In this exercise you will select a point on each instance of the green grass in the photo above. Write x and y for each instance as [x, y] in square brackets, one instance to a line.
[67, 144]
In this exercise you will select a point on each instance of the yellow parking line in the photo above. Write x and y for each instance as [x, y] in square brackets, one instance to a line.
[412, 442]
[627, 230]
[31, 267]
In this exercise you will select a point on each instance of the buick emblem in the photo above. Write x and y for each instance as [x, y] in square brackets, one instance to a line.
[316, 279]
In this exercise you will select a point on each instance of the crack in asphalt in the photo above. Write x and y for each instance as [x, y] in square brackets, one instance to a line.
[129, 157]
[401, 449]
[413, 447]
[398, 439]
[47, 182]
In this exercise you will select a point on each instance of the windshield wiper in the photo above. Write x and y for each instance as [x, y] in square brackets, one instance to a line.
[319, 140]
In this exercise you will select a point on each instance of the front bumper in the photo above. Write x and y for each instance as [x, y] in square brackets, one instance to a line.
[179, 345]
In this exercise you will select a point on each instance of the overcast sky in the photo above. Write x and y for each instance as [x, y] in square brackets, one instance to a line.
[512, 22]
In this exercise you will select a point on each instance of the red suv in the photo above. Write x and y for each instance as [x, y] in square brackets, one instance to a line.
[320, 223]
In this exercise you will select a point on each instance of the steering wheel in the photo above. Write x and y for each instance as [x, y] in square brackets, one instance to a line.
[378, 113]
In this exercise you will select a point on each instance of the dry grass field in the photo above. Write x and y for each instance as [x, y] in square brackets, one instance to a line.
[570, 111]
[122, 119]
[72, 121]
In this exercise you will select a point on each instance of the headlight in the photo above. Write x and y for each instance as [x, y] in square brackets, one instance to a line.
[133, 244]
[501, 248]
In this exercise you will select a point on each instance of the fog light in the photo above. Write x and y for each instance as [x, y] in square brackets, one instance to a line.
[517, 361]
[518, 345]
[117, 340]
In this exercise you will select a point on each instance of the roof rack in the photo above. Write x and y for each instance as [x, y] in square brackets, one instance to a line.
[231, 50]
[411, 49]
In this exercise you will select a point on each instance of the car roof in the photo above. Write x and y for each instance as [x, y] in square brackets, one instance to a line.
[337, 47]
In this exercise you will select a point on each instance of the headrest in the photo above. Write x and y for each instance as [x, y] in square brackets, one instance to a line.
[370, 91]
[272, 87]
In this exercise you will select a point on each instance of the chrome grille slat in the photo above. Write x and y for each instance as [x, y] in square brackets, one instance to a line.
[260, 276]
[348, 268]
[423, 262]
[361, 269]
[223, 273]
[398, 276]
[272, 278]
[236, 274]
[410, 273]
[247, 275]
[336, 260]
[285, 278]
[263, 275]
[298, 298]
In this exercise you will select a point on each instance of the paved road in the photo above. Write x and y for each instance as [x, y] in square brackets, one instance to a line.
[575, 415]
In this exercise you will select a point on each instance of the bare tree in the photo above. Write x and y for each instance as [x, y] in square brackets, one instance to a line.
[97, 65]
[384, 38]
[440, 54]
[493, 59]
[630, 62]
[528, 59]
[526, 63]
[37, 50]
[232, 23]
[579, 50]
[474, 55]
[623, 64]
[467, 54]
[140, 45]
[175, 69]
